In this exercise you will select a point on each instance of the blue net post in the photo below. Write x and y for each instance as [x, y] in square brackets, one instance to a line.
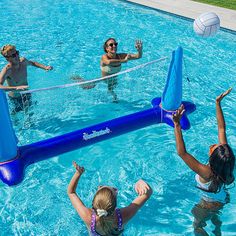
[172, 95]
[8, 140]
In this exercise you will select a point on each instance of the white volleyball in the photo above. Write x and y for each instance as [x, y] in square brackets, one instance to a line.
[207, 24]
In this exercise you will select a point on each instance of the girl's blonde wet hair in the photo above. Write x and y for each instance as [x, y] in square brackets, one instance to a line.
[6, 49]
[105, 199]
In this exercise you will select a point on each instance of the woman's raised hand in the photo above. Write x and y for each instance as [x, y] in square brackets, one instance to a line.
[222, 95]
[78, 168]
[177, 116]
[139, 45]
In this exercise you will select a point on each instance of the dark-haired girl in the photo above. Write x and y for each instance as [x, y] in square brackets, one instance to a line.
[212, 178]
[111, 62]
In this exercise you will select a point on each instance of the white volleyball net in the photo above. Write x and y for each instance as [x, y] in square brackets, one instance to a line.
[46, 112]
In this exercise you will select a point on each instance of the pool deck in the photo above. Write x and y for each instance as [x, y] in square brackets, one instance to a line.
[192, 10]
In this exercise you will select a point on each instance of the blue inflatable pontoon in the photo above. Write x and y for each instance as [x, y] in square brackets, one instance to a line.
[14, 159]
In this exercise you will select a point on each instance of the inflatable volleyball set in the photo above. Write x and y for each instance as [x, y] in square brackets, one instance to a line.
[14, 159]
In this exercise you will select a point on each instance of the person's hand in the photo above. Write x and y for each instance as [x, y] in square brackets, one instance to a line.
[47, 68]
[78, 168]
[139, 45]
[126, 58]
[22, 87]
[222, 95]
[141, 187]
[88, 85]
[178, 114]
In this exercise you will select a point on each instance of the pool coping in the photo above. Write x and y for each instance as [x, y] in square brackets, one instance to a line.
[190, 10]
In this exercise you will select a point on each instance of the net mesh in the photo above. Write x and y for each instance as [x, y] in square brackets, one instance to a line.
[42, 113]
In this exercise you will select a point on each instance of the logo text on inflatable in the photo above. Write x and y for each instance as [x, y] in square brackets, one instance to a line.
[95, 133]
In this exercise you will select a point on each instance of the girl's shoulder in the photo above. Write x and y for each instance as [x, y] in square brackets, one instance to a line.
[88, 217]
[202, 180]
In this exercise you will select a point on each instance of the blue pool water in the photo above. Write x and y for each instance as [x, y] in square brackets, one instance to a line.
[69, 36]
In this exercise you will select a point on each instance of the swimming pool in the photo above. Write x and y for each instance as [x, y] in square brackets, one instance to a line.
[69, 36]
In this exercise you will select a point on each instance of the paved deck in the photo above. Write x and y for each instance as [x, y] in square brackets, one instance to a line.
[191, 9]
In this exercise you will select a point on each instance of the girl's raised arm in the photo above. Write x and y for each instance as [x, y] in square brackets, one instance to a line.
[220, 118]
[82, 210]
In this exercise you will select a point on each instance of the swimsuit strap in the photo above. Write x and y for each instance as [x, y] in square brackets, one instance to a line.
[119, 219]
[93, 224]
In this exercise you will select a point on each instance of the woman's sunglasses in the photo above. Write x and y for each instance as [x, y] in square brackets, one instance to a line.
[13, 55]
[112, 44]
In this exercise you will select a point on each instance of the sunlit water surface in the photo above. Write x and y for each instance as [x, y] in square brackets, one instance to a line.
[69, 36]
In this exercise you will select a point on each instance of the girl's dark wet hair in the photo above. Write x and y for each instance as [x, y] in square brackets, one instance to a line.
[105, 44]
[222, 162]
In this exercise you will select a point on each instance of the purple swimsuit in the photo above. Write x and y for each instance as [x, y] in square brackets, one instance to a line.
[93, 222]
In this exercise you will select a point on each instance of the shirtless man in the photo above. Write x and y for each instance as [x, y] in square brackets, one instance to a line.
[15, 74]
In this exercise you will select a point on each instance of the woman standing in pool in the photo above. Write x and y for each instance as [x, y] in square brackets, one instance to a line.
[111, 61]
[213, 177]
[104, 218]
